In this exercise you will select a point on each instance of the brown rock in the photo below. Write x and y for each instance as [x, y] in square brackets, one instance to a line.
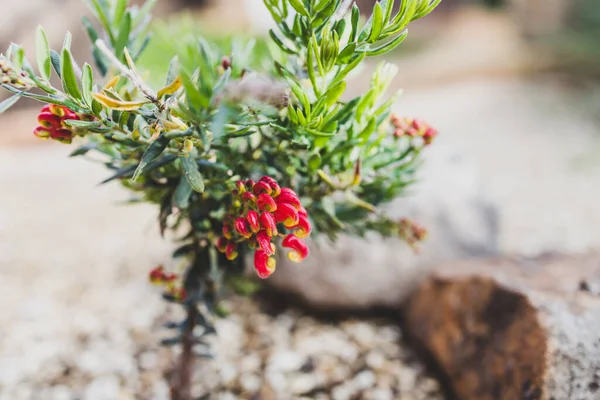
[513, 330]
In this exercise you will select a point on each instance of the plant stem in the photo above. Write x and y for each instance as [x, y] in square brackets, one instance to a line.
[181, 382]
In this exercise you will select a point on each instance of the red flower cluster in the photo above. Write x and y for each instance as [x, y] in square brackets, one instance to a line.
[258, 208]
[413, 128]
[411, 232]
[169, 281]
[52, 123]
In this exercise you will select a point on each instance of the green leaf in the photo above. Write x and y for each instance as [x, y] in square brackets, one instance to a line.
[386, 47]
[43, 53]
[280, 43]
[55, 60]
[368, 130]
[100, 9]
[354, 22]
[427, 10]
[334, 93]
[68, 40]
[357, 59]
[183, 193]
[77, 123]
[119, 10]
[9, 102]
[192, 174]
[87, 84]
[346, 53]
[299, 7]
[321, 5]
[83, 149]
[123, 38]
[195, 99]
[155, 149]
[376, 23]
[173, 69]
[69, 78]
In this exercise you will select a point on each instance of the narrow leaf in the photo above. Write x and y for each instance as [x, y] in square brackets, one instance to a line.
[69, 78]
[183, 193]
[118, 104]
[192, 174]
[170, 88]
[123, 38]
[376, 24]
[87, 84]
[55, 60]
[299, 7]
[9, 102]
[155, 149]
[384, 48]
[43, 53]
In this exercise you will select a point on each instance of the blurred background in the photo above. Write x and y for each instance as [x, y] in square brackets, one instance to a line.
[513, 86]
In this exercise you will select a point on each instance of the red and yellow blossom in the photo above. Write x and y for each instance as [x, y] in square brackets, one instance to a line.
[51, 120]
[169, 281]
[412, 127]
[258, 208]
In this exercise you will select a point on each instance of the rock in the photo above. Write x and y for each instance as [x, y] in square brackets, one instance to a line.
[60, 393]
[506, 330]
[251, 383]
[285, 361]
[102, 389]
[302, 383]
[471, 207]
[364, 380]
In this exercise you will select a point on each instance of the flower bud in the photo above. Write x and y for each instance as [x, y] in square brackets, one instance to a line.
[253, 221]
[222, 244]
[242, 228]
[231, 251]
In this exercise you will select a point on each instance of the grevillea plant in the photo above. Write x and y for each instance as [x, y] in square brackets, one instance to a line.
[245, 153]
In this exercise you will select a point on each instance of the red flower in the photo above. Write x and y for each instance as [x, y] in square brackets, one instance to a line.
[227, 231]
[262, 187]
[299, 249]
[231, 251]
[42, 132]
[52, 123]
[249, 197]
[288, 196]
[263, 264]
[273, 184]
[242, 228]
[62, 135]
[287, 215]
[222, 244]
[157, 275]
[267, 221]
[266, 203]
[303, 228]
[252, 218]
[429, 135]
[264, 241]
[49, 120]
